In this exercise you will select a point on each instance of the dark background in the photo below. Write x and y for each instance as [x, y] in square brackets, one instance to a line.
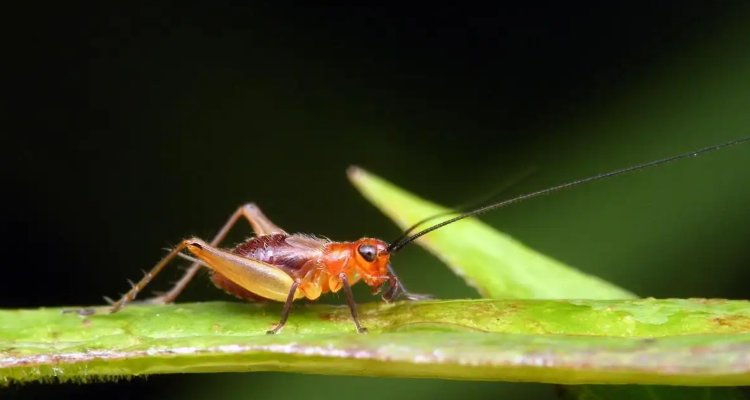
[133, 127]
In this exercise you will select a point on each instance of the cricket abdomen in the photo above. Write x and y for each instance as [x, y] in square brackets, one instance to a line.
[271, 249]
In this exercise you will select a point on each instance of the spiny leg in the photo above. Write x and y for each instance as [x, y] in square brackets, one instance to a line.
[397, 289]
[136, 288]
[252, 275]
[352, 304]
[287, 309]
[261, 226]
[130, 295]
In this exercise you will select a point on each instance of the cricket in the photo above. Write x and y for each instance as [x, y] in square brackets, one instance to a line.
[275, 265]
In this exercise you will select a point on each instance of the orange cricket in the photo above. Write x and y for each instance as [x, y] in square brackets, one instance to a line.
[275, 265]
[278, 266]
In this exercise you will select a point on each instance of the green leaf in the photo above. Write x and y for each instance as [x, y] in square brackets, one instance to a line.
[501, 267]
[687, 342]
[490, 261]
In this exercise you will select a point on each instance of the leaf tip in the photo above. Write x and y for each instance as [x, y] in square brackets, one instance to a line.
[355, 173]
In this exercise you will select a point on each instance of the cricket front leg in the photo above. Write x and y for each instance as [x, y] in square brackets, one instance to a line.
[397, 289]
[258, 221]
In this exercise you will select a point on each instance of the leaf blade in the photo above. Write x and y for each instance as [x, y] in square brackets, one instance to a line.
[495, 264]
[224, 337]
[500, 267]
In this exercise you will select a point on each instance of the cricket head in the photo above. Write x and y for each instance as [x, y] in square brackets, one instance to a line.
[371, 258]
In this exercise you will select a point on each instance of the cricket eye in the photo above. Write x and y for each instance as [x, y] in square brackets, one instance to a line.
[368, 252]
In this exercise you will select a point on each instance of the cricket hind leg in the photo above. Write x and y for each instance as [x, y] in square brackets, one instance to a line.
[137, 287]
[233, 289]
[226, 284]
[261, 226]
[268, 280]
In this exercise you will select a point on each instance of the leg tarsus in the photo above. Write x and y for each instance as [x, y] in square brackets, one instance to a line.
[417, 296]
[352, 304]
[287, 309]
[397, 290]
[83, 312]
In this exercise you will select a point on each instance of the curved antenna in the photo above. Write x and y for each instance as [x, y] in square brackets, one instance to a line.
[468, 205]
[394, 247]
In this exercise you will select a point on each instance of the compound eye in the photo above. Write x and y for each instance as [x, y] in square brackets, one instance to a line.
[368, 252]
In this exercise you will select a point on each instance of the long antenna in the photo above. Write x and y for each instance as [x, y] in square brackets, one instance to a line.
[396, 246]
[467, 206]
